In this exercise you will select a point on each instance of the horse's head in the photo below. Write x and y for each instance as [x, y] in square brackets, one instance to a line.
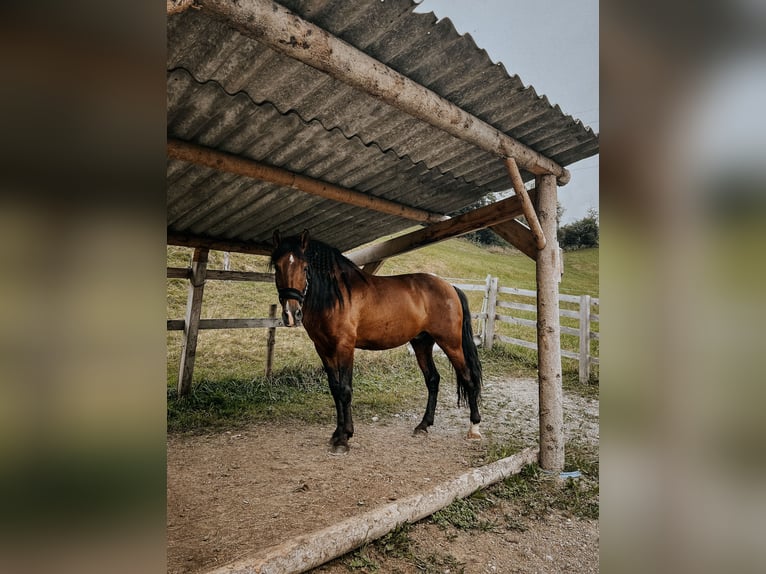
[291, 273]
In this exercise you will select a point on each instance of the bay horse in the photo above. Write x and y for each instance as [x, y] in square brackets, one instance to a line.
[343, 308]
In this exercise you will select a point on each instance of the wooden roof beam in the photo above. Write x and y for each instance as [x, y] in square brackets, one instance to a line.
[284, 31]
[512, 231]
[232, 245]
[230, 163]
[486, 216]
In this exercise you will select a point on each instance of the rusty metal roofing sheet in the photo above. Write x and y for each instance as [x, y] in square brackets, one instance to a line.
[228, 92]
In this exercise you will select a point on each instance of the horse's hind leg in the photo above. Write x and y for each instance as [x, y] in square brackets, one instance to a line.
[423, 345]
[468, 388]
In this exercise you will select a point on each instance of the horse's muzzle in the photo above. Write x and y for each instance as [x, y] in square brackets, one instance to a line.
[292, 314]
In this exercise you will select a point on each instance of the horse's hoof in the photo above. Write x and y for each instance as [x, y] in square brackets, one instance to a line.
[339, 449]
[473, 432]
[420, 431]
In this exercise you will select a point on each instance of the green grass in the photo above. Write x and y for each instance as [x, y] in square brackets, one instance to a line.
[224, 403]
[580, 273]
[534, 493]
[398, 545]
[383, 384]
[466, 513]
[537, 494]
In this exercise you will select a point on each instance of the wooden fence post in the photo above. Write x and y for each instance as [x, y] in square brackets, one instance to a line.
[584, 338]
[191, 320]
[549, 332]
[483, 314]
[489, 331]
[271, 341]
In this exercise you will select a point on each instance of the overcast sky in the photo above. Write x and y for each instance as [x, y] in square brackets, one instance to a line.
[551, 45]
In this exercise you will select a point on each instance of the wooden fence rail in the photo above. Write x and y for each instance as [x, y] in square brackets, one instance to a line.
[197, 275]
[584, 314]
[493, 311]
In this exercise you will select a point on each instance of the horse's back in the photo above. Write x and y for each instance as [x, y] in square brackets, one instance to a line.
[395, 309]
[417, 289]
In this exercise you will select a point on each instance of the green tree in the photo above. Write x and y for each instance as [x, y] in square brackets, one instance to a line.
[580, 234]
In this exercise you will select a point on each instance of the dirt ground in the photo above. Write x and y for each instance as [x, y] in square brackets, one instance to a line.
[235, 493]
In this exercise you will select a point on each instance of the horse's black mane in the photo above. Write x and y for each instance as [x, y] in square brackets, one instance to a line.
[328, 270]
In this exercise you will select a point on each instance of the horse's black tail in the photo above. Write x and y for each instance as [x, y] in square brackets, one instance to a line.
[470, 354]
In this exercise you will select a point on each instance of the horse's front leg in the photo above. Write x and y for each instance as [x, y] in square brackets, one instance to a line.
[339, 375]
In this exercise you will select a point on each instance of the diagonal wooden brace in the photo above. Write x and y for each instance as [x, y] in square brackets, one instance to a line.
[526, 203]
[518, 235]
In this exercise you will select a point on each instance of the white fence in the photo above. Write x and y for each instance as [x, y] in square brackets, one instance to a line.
[517, 307]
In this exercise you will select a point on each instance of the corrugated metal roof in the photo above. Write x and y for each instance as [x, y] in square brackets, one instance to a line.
[231, 93]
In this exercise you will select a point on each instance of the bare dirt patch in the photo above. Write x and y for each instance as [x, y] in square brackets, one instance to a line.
[235, 493]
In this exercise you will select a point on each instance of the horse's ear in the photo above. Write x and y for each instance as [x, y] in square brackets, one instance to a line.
[275, 238]
[305, 239]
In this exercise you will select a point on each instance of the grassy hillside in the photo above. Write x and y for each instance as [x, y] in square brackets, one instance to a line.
[462, 259]
[228, 377]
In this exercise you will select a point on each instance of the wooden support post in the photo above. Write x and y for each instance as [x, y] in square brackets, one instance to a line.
[489, 333]
[549, 333]
[526, 203]
[191, 320]
[271, 341]
[584, 338]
